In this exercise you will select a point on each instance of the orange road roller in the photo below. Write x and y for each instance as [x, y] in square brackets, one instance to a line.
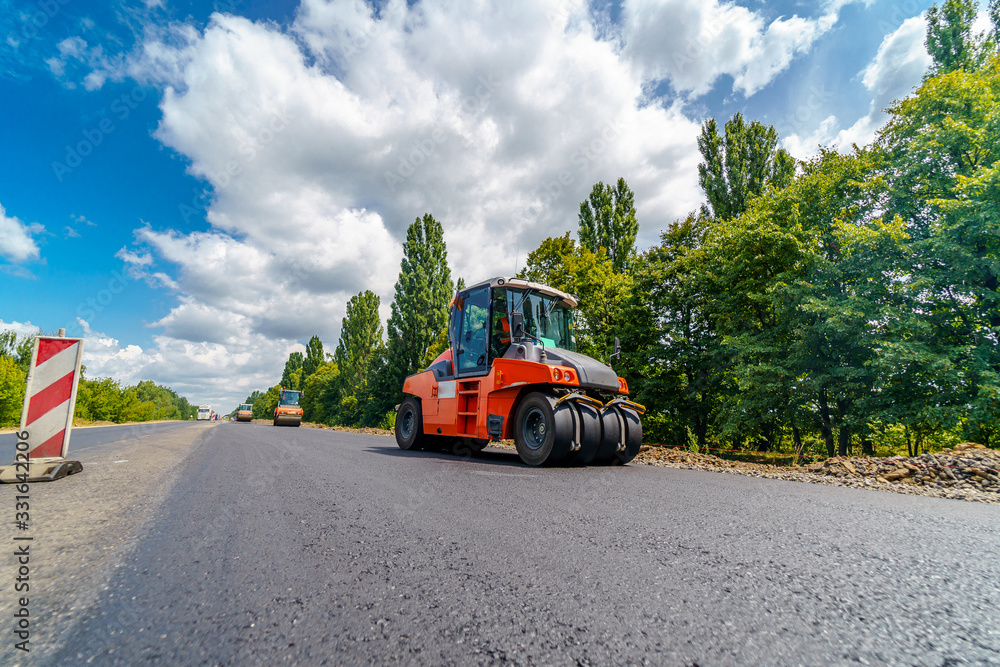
[288, 412]
[512, 372]
[244, 413]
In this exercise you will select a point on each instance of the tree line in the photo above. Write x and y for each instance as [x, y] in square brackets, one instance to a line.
[100, 399]
[847, 303]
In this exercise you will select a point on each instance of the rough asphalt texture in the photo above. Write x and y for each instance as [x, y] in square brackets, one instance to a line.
[306, 546]
[83, 526]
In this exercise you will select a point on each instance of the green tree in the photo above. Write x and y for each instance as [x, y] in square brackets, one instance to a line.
[419, 311]
[98, 400]
[671, 347]
[314, 358]
[15, 358]
[740, 164]
[944, 146]
[546, 264]
[994, 13]
[607, 220]
[167, 404]
[132, 408]
[263, 407]
[359, 345]
[18, 348]
[320, 393]
[291, 376]
[360, 340]
[601, 290]
[950, 41]
[12, 385]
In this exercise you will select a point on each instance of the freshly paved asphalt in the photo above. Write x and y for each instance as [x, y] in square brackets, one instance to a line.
[303, 546]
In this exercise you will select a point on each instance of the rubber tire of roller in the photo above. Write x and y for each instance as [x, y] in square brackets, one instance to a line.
[633, 437]
[537, 435]
[590, 435]
[410, 425]
[609, 438]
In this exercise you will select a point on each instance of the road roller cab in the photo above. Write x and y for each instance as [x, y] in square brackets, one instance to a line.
[512, 372]
[288, 412]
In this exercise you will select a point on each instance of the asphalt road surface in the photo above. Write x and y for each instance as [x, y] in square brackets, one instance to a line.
[301, 546]
[89, 438]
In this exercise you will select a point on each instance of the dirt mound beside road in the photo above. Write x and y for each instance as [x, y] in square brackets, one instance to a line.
[969, 471]
[365, 429]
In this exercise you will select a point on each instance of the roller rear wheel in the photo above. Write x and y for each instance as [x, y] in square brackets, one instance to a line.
[613, 419]
[610, 434]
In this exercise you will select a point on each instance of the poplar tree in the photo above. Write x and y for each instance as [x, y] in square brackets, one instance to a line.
[740, 164]
[360, 341]
[607, 220]
[949, 40]
[418, 312]
[994, 36]
[314, 357]
[291, 377]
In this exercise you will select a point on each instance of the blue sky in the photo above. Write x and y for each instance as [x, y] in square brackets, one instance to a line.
[198, 188]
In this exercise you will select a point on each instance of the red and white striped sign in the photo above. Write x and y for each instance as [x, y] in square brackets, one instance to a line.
[50, 396]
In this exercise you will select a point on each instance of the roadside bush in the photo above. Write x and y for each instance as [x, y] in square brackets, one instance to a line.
[388, 421]
[12, 381]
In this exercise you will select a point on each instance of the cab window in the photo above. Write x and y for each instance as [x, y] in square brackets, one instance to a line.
[473, 332]
[500, 340]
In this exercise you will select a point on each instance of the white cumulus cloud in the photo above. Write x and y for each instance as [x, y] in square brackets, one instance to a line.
[218, 373]
[893, 74]
[20, 329]
[16, 242]
[324, 141]
[692, 43]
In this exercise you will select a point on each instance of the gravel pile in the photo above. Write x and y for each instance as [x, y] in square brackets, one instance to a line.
[967, 472]
[351, 429]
